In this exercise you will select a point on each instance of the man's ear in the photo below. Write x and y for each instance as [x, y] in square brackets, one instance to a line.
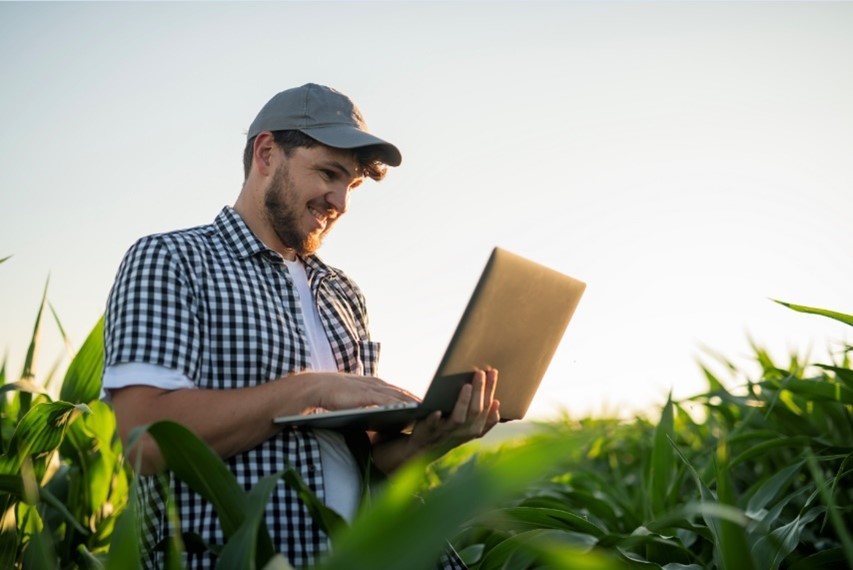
[262, 153]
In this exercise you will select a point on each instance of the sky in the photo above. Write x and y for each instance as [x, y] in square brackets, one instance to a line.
[688, 161]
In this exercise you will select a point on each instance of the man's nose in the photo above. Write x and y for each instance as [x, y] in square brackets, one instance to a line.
[338, 198]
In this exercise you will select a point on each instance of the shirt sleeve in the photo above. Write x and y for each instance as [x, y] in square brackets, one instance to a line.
[140, 374]
[152, 314]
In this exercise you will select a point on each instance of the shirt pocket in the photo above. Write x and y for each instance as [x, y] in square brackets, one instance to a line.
[369, 357]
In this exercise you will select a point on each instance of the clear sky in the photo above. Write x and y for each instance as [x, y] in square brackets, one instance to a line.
[689, 161]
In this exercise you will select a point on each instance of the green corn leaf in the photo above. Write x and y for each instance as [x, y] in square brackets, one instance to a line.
[472, 554]
[551, 547]
[816, 389]
[829, 558]
[766, 521]
[88, 447]
[835, 516]
[600, 506]
[772, 549]
[41, 552]
[797, 442]
[8, 533]
[847, 319]
[278, 562]
[50, 499]
[176, 542]
[81, 449]
[527, 518]
[399, 527]
[733, 544]
[89, 561]
[771, 488]
[714, 383]
[125, 553]
[327, 519]
[750, 436]
[40, 431]
[711, 519]
[14, 486]
[28, 372]
[65, 339]
[240, 552]
[197, 465]
[83, 378]
[23, 386]
[662, 461]
[845, 375]
[710, 510]
[642, 539]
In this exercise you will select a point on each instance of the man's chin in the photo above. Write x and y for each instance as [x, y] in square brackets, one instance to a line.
[309, 245]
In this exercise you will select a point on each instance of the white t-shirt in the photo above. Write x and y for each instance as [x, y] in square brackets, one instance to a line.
[341, 475]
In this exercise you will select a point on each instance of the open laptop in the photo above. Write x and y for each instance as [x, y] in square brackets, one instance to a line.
[514, 322]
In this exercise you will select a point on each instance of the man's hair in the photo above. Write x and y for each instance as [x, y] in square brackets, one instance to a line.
[367, 157]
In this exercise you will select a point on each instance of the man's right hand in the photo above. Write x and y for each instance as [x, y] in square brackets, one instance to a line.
[338, 390]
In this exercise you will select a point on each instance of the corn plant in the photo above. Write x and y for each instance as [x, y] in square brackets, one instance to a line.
[62, 478]
[762, 480]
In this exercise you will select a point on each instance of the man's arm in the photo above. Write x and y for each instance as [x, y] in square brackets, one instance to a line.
[232, 421]
[475, 413]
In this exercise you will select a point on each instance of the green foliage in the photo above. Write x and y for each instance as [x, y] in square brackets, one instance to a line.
[409, 522]
[754, 476]
[63, 481]
[759, 478]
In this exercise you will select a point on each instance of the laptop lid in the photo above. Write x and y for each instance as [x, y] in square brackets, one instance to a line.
[514, 321]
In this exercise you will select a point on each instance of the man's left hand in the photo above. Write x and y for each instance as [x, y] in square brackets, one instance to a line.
[475, 413]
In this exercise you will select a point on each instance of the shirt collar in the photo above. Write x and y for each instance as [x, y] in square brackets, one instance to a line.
[244, 243]
[237, 235]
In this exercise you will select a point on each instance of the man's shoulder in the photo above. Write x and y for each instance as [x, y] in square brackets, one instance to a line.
[193, 239]
[182, 236]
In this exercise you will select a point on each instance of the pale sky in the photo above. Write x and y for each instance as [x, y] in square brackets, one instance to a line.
[688, 161]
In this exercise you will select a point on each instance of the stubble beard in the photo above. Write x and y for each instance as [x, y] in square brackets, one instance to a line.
[280, 202]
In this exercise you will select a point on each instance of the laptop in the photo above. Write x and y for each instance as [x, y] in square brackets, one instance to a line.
[514, 322]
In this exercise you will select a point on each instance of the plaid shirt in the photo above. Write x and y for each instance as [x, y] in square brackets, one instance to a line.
[217, 305]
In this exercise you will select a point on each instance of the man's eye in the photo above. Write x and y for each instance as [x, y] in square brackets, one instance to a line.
[328, 174]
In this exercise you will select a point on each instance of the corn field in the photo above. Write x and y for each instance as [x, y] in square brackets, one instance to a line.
[755, 473]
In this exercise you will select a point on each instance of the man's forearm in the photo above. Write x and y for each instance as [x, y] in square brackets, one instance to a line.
[233, 421]
[230, 421]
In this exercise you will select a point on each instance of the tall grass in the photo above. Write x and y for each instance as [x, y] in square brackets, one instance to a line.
[761, 479]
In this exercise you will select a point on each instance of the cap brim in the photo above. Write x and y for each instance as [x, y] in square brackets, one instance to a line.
[346, 137]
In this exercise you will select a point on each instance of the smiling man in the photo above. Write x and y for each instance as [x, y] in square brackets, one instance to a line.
[226, 326]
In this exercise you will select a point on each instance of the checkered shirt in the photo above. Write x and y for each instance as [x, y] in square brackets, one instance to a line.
[217, 305]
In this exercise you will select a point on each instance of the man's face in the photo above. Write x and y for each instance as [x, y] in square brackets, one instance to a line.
[308, 192]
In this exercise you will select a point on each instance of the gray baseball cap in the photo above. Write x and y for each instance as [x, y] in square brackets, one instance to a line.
[324, 115]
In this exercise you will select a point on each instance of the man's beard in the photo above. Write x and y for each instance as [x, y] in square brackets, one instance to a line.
[281, 202]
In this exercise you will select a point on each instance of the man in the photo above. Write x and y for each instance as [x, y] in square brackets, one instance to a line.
[226, 326]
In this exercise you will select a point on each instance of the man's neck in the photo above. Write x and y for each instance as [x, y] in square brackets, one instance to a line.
[259, 226]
